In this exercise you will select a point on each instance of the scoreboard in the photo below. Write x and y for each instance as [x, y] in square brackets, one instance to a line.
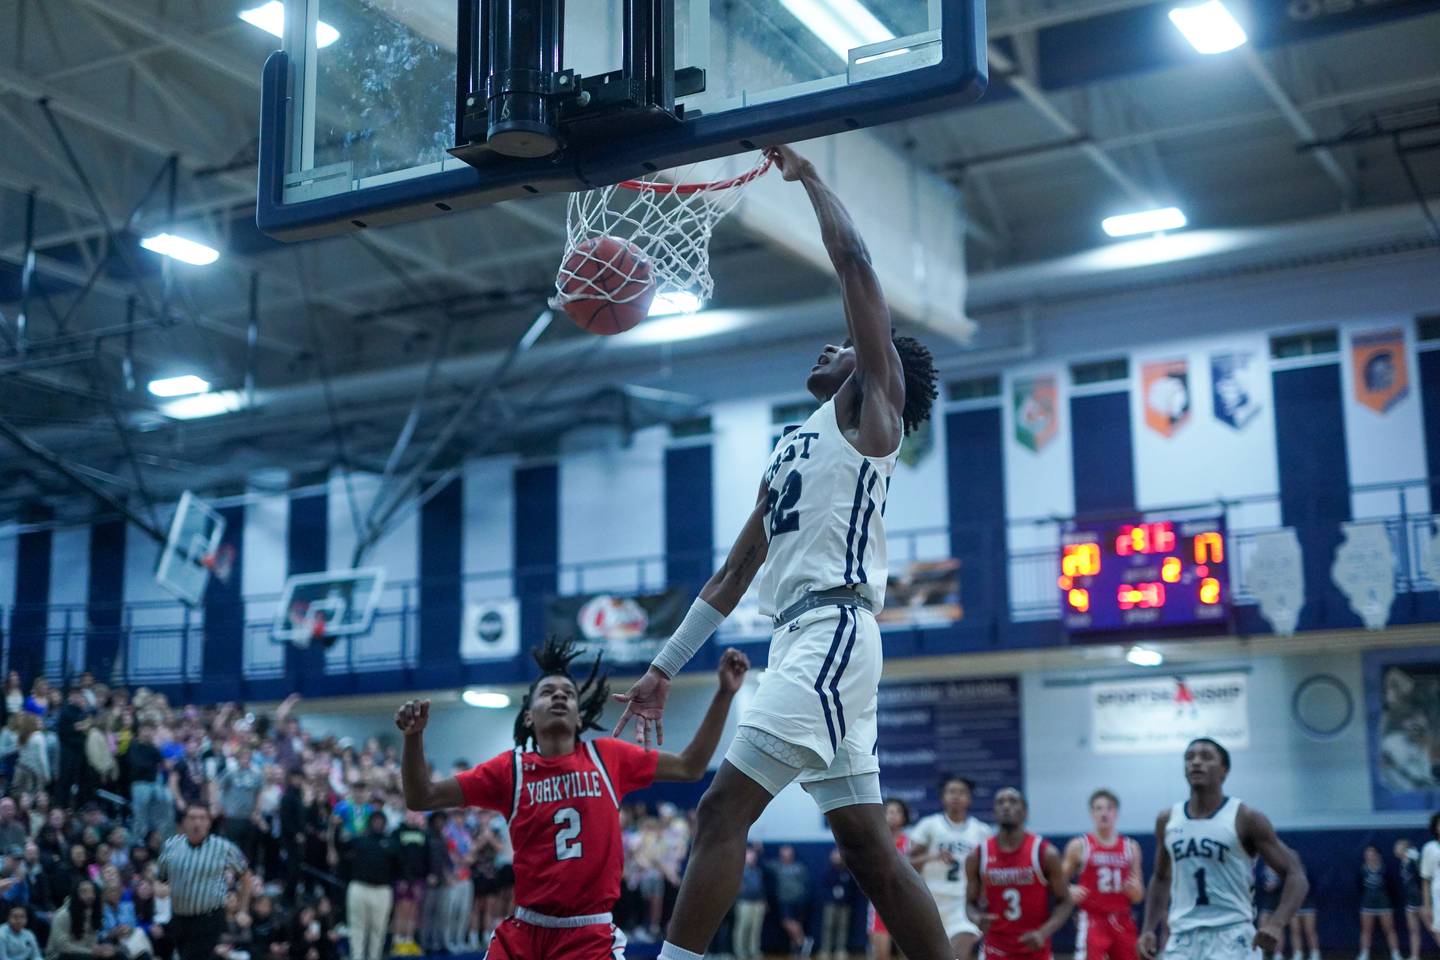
[1165, 573]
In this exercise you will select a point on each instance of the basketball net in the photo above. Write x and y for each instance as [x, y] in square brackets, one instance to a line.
[670, 220]
[307, 623]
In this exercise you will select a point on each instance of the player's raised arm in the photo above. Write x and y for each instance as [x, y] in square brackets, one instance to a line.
[691, 763]
[422, 793]
[1258, 834]
[645, 700]
[866, 314]
[1061, 907]
[1157, 896]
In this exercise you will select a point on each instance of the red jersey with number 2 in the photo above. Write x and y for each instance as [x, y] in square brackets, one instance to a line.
[1105, 872]
[1017, 895]
[564, 816]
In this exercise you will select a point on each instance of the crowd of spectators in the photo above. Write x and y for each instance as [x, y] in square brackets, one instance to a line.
[95, 779]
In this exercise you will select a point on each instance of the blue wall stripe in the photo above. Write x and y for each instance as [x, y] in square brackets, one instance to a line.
[1429, 363]
[689, 517]
[1314, 482]
[442, 537]
[975, 460]
[106, 596]
[537, 546]
[1102, 453]
[306, 545]
[30, 623]
[224, 652]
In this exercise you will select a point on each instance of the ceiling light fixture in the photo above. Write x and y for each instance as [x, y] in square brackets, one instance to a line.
[1144, 221]
[180, 248]
[1209, 27]
[1144, 656]
[203, 405]
[840, 24]
[685, 326]
[270, 17]
[487, 699]
[675, 301]
[178, 386]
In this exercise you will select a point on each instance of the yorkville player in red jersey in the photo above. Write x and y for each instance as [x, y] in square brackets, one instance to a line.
[1011, 882]
[562, 796]
[1108, 886]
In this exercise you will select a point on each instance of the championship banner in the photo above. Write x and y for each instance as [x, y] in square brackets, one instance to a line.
[1165, 714]
[1377, 363]
[923, 593]
[1166, 392]
[625, 629]
[1275, 577]
[1364, 570]
[1035, 402]
[1234, 392]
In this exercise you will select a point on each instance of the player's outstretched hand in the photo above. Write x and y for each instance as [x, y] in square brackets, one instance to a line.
[412, 716]
[983, 920]
[1078, 894]
[1267, 939]
[1033, 939]
[645, 701]
[733, 666]
[1148, 946]
[792, 166]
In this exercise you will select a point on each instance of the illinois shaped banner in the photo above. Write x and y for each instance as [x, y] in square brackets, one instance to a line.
[1035, 402]
[1378, 361]
[1233, 388]
[1167, 395]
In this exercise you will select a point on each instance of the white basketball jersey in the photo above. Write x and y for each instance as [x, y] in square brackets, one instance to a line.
[938, 832]
[1212, 878]
[826, 523]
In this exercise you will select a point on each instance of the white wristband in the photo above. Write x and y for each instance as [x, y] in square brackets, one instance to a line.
[700, 622]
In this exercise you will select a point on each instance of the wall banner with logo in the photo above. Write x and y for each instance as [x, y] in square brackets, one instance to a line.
[1164, 714]
[626, 629]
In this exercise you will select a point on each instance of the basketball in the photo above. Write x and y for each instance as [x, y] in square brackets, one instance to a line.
[611, 285]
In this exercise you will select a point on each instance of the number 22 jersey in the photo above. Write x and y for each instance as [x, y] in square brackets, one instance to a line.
[564, 817]
[825, 521]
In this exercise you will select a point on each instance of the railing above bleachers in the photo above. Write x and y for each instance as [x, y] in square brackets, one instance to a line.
[162, 642]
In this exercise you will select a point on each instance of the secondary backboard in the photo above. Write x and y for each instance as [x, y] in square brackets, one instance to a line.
[195, 534]
[359, 110]
[317, 607]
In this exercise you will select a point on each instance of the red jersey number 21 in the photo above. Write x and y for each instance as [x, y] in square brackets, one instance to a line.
[566, 846]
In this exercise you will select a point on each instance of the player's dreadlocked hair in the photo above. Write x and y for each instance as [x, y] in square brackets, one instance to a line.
[554, 657]
[920, 377]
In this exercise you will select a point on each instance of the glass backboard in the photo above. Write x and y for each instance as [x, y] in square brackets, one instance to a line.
[195, 534]
[359, 109]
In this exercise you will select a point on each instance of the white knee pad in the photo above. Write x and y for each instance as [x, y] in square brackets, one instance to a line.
[769, 761]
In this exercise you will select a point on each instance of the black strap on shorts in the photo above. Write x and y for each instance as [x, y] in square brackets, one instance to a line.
[839, 597]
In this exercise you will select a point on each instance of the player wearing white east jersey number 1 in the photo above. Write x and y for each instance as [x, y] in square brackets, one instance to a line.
[1205, 870]
[939, 845]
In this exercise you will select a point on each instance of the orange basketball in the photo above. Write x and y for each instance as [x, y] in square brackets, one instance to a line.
[611, 285]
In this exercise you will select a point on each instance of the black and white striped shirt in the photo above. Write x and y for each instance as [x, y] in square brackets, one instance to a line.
[197, 874]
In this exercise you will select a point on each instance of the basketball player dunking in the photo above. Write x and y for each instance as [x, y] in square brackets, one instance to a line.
[817, 530]
[562, 796]
[1108, 886]
[1011, 880]
[1205, 870]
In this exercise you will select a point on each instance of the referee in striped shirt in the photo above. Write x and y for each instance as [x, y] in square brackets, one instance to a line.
[194, 863]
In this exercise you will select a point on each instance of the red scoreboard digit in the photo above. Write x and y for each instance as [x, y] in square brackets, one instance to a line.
[1155, 573]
